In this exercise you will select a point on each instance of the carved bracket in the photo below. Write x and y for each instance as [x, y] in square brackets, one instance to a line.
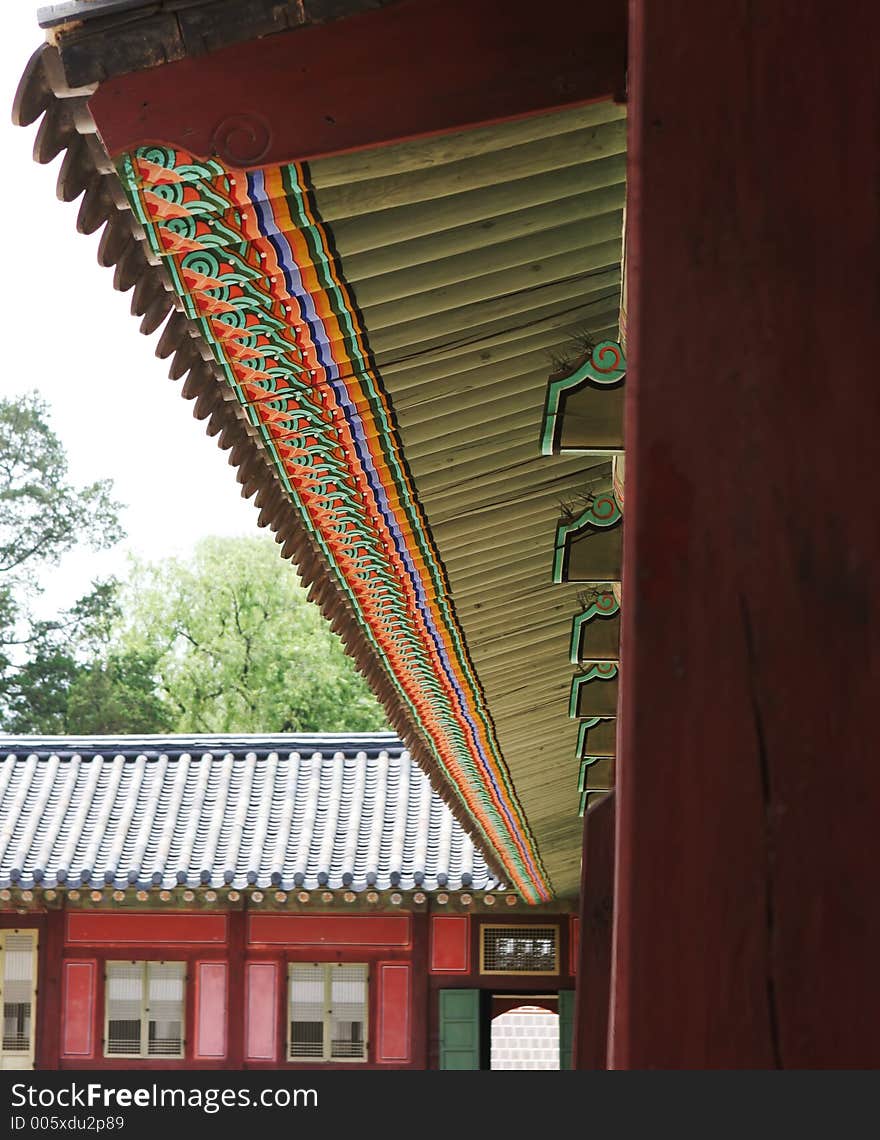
[590, 548]
[583, 411]
[594, 692]
[596, 774]
[595, 631]
[597, 736]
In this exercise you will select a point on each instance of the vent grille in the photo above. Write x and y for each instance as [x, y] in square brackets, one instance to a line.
[519, 950]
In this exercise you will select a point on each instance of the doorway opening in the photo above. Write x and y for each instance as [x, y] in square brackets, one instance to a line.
[524, 1031]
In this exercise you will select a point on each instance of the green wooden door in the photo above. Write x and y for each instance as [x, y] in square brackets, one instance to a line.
[459, 1029]
[566, 1027]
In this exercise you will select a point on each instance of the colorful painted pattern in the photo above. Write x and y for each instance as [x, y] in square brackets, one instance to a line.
[256, 271]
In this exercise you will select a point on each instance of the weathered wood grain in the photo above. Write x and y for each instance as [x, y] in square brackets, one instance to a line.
[747, 925]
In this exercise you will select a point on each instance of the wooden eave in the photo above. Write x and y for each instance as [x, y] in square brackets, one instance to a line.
[477, 260]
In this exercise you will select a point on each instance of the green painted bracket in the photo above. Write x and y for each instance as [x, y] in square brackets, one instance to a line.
[584, 747]
[605, 367]
[604, 606]
[598, 671]
[583, 728]
[602, 513]
[596, 774]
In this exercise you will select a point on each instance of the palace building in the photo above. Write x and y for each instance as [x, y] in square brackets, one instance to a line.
[264, 902]
[544, 343]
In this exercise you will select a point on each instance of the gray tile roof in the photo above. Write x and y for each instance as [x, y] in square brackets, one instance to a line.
[288, 811]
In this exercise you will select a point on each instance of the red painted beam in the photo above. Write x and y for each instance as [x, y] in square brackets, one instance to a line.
[594, 953]
[747, 930]
[411, 69]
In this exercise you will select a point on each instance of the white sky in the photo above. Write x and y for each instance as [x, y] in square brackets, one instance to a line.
[71, 336]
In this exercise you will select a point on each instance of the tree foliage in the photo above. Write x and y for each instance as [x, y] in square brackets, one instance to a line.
[42, 516]
[238, 646]
[224, 642]
[76, 680]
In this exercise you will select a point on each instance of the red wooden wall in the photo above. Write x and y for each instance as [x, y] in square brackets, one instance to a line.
[236, 992]
[237, 982]
[747, 930]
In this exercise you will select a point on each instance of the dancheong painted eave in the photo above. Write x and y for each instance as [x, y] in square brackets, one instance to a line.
[344, 328]
[286, 812]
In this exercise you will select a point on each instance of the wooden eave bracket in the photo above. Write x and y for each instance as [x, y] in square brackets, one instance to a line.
[589, 548]
[583, 409]
[589, 799]
[595, 631]
[596, 774]
[597, 736]
[594, 691]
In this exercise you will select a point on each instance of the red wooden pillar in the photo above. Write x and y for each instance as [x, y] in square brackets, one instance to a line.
[594, 952]
[48, 1025]
[420, 990]
[236, 951]
[746, 927]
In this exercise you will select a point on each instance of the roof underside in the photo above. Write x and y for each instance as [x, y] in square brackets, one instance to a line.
[477, 261]
[371, 336]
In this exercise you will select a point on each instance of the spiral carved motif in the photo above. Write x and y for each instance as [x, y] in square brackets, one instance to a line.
[608, 357]
[242, 140]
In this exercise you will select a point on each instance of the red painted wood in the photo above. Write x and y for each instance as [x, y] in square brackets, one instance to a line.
[78, 992]
[420, 991]
[211, 1010]
[235, 956]
[95, 928]
[329, 930]
[261, 1011]
[49, 1006]
[395, 1006]
[450, 944]
[747, 930]
[410, 69]
[574, 942]
[590, 1034]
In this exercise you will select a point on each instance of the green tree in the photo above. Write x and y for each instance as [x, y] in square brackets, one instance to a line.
[42, 516]
[237, 645]
[74, 680]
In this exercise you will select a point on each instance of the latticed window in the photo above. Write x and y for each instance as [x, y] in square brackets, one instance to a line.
[144, 1009]
[519, 950]
[18, 979]
[328, 1004]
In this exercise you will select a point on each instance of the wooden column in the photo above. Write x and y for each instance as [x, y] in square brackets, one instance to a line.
[236, 954]
[51, 953]
[747, 927]
[594, 957]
